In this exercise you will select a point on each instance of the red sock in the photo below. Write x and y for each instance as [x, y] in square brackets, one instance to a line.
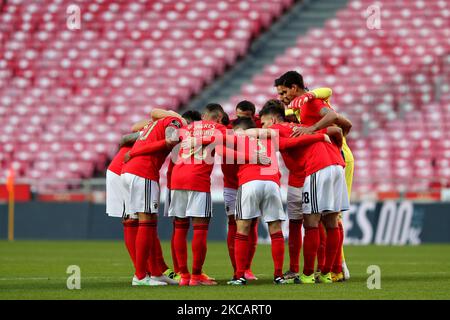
[230, 242]
[199, 247]
[277, 253]
[310, 247]
[252, 243]
[241, 254]
[337, 265]
[173, 251]
[295, 244]
[153, 258]
[159, 255]
[144, 244]
[331, 250]
[130, 229]
[181, 231]
[322, 246]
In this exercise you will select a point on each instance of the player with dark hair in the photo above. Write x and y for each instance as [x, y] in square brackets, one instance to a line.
[259, 195]
[272, 115]
[191, 116]
[140, 175]
[313, 109]
[247, 109]
[116, 200]
[244, 109]
[191, 196]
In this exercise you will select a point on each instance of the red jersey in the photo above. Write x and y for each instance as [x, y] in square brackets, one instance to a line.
[230, 171]
[291, 156]
[148, 166]
[310, 111]
[117, 162]
[251, 172]
[321, 155]
[192, 171]
[309, 115]
[230, 176]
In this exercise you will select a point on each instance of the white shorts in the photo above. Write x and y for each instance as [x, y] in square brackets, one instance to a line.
[294, 203]
[142, 195]
[167, 202]
[229, 199]
[260, 198]
[325, 191]
[188, 203]
[115, 195]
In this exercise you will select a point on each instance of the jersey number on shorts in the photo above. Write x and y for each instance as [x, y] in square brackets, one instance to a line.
[305, 197]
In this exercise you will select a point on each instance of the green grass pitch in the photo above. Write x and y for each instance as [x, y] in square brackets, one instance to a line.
[37, 270]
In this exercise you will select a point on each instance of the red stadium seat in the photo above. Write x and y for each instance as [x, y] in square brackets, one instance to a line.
[369, 71]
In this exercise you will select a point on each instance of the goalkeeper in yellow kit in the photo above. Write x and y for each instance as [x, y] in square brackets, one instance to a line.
[295, 101]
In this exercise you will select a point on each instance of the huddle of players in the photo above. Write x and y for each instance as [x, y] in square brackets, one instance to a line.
[316, 194]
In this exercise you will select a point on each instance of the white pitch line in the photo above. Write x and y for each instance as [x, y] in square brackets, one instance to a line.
[46, 278]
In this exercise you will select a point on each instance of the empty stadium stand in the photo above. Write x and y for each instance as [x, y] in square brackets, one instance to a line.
[392, 82]
[66, 96]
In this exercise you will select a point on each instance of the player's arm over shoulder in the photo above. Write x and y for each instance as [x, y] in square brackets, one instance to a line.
[128, 139]
[331, 117]
[335, 133]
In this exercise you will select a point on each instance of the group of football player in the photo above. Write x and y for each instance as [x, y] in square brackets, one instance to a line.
[300, 124]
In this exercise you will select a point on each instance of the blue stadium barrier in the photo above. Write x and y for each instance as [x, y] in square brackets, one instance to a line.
[383, 223]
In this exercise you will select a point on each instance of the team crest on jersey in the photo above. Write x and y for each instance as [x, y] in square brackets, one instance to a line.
[176, 123]
[155, 205]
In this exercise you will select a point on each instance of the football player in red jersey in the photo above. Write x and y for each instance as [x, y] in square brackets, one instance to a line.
[191, 195]
[259, 195]
[272, 116]
[140, 176]
[115, 200]
[230, 185]
[316, 114]
[190, 116]
[324, 194]
[115, 197]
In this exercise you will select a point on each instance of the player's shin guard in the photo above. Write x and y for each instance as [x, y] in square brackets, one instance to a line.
[199, 247]
[144, 244]
[173, 251]
[331, 248]
[337, 265]
[241, 254]
[181, 230]
[322, 247]
[230, 242]
[295, 244]
[277, 253]
[130, 229]
[252, 242]
[311, 243]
